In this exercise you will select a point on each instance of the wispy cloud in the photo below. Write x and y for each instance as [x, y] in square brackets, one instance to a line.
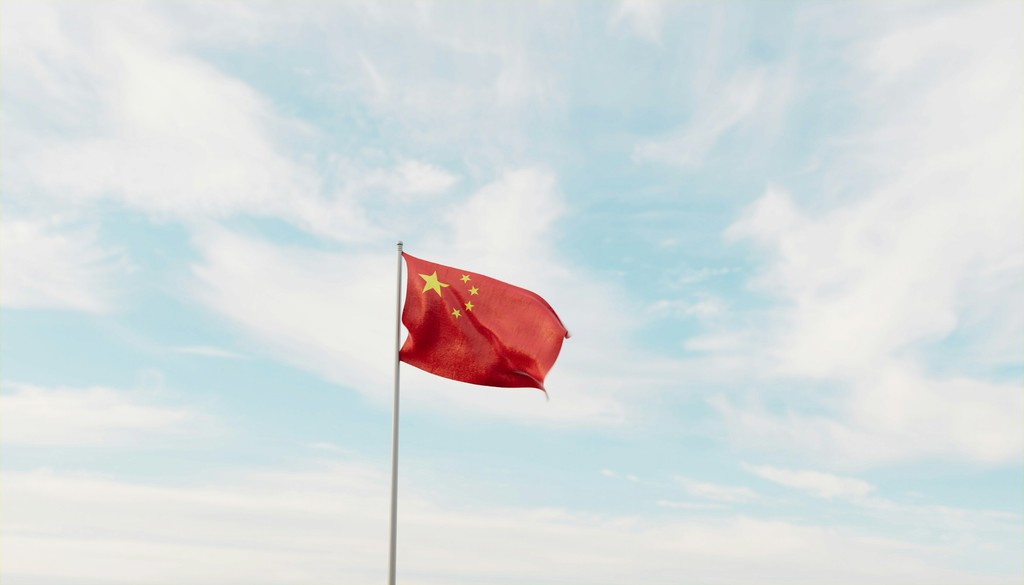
[816, 483]
[380, 86]
[682, 505]
[718, 112]
[420, 178]
[716, 492]
[923, 251]
[626, 476]
[894, 414]
[405, 182]
[62, 416]
[149, 126]
[495, 74]
[331, 448]
[48, 264]
[862, 498]
[642, 18]
[703, 307]
[209, 351]
[300, 303]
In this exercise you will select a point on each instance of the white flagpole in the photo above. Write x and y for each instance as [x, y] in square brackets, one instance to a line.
[394, 426]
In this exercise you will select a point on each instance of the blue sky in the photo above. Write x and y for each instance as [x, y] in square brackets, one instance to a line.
[785, 237]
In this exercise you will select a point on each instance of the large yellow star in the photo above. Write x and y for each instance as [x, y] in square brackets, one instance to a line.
[432, 283]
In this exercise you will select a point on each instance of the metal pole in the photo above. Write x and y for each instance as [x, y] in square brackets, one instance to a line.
[394, 426]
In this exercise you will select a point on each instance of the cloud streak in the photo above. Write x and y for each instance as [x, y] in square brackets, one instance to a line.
[87, 417]
[818, 484]
[50, 265]
[327, 518]
[717, 492]
[719, 111]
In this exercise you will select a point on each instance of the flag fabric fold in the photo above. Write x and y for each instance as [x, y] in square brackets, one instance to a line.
[472, 328]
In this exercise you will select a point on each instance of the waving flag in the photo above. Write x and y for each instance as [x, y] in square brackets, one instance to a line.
[472, 328]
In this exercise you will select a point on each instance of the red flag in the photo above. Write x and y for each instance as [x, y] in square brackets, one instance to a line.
[471, 328]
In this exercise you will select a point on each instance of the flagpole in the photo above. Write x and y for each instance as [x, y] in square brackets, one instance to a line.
[394, 425]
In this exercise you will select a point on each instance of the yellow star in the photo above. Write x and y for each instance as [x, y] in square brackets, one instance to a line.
[472, 290]
[432, 283]
[469, 306]
[456, 313]
[465, 278]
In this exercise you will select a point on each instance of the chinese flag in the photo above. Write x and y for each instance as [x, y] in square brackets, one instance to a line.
[471, 328]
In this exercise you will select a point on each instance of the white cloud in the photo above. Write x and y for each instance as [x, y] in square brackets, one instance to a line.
[510, 222]
[208, 351]
[893, 415]
[817, 483]
[717, 492]
[677, 505]
[962, 417]
[111, 107]
[732, 342]
[405, 182]
[114, 103]
[330, 312]
[381, 88]
[719, 111]
[62, 416]
[46, 264]
[446, 75]
[523, 83]
[727, 98]
[329, 523]
[950, 525]
[874, 277]
[331, 448]
[626, 476]
[642, 18]
[918, 263]
[703, 307]
[943, 223]
[691, 276]
[421, 178]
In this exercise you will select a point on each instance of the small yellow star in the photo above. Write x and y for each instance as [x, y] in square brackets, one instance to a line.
[465, 278]
[456, 313]
[469, 306]
[472, 290]
[432, 283]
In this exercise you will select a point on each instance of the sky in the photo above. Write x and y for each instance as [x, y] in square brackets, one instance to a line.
[785, 237]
